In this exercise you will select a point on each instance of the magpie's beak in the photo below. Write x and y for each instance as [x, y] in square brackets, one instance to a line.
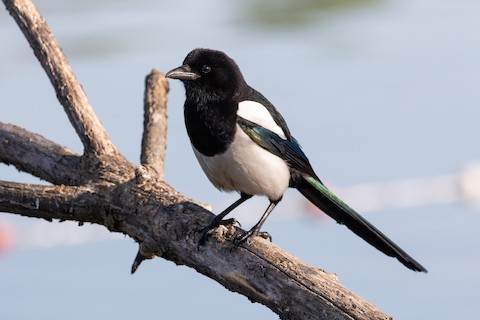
[183, 73]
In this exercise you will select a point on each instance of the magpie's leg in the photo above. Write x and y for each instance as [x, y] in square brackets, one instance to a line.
[255, 231]
[218, 219]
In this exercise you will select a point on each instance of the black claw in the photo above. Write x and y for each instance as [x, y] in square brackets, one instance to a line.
[241, 239]
[202, 240]
[249, 234]
[265, 235]
[230, 222]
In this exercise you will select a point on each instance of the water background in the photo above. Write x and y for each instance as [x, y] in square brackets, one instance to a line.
[373, 90]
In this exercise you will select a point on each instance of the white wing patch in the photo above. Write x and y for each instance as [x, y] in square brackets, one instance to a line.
[257, 113]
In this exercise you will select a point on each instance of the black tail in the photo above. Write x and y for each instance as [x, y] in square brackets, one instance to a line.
[314, 190]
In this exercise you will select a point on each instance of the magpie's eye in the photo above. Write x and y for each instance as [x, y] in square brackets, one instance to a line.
[206, 69]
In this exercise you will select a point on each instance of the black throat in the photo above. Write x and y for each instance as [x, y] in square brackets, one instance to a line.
[211, 120]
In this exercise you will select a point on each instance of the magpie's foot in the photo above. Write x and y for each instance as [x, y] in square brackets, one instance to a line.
[212, 225]
[265, 235]
[249, 234]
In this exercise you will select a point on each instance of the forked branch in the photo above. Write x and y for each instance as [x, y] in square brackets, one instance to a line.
[103, 188]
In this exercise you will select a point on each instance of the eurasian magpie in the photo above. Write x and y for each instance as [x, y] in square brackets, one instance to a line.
[243, 144]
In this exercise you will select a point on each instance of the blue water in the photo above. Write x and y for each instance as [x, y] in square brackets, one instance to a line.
[375, 91]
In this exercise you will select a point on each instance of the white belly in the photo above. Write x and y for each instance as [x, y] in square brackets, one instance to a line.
[247, 168]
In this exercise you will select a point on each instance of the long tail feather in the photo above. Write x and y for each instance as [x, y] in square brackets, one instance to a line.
[314, 190]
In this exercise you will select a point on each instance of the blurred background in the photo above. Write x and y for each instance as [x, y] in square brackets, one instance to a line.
[382, 94]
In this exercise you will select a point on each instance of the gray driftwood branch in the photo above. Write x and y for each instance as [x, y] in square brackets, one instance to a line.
[69, 92]
[154, 141]
[102, 187]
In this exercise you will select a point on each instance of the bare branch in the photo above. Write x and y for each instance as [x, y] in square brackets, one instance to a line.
[146, 250]
[165, 223]
[69, 91]
[154, 141]
[39, 156]
[50, 202]
[131, 200]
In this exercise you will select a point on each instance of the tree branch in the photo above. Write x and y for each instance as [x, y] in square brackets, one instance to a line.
[69, 91]
[154, 140]
[166, 223]
[50, 202]
[129, 199]
[39, 156]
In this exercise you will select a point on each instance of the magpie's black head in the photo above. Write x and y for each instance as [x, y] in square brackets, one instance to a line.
[206, 71]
